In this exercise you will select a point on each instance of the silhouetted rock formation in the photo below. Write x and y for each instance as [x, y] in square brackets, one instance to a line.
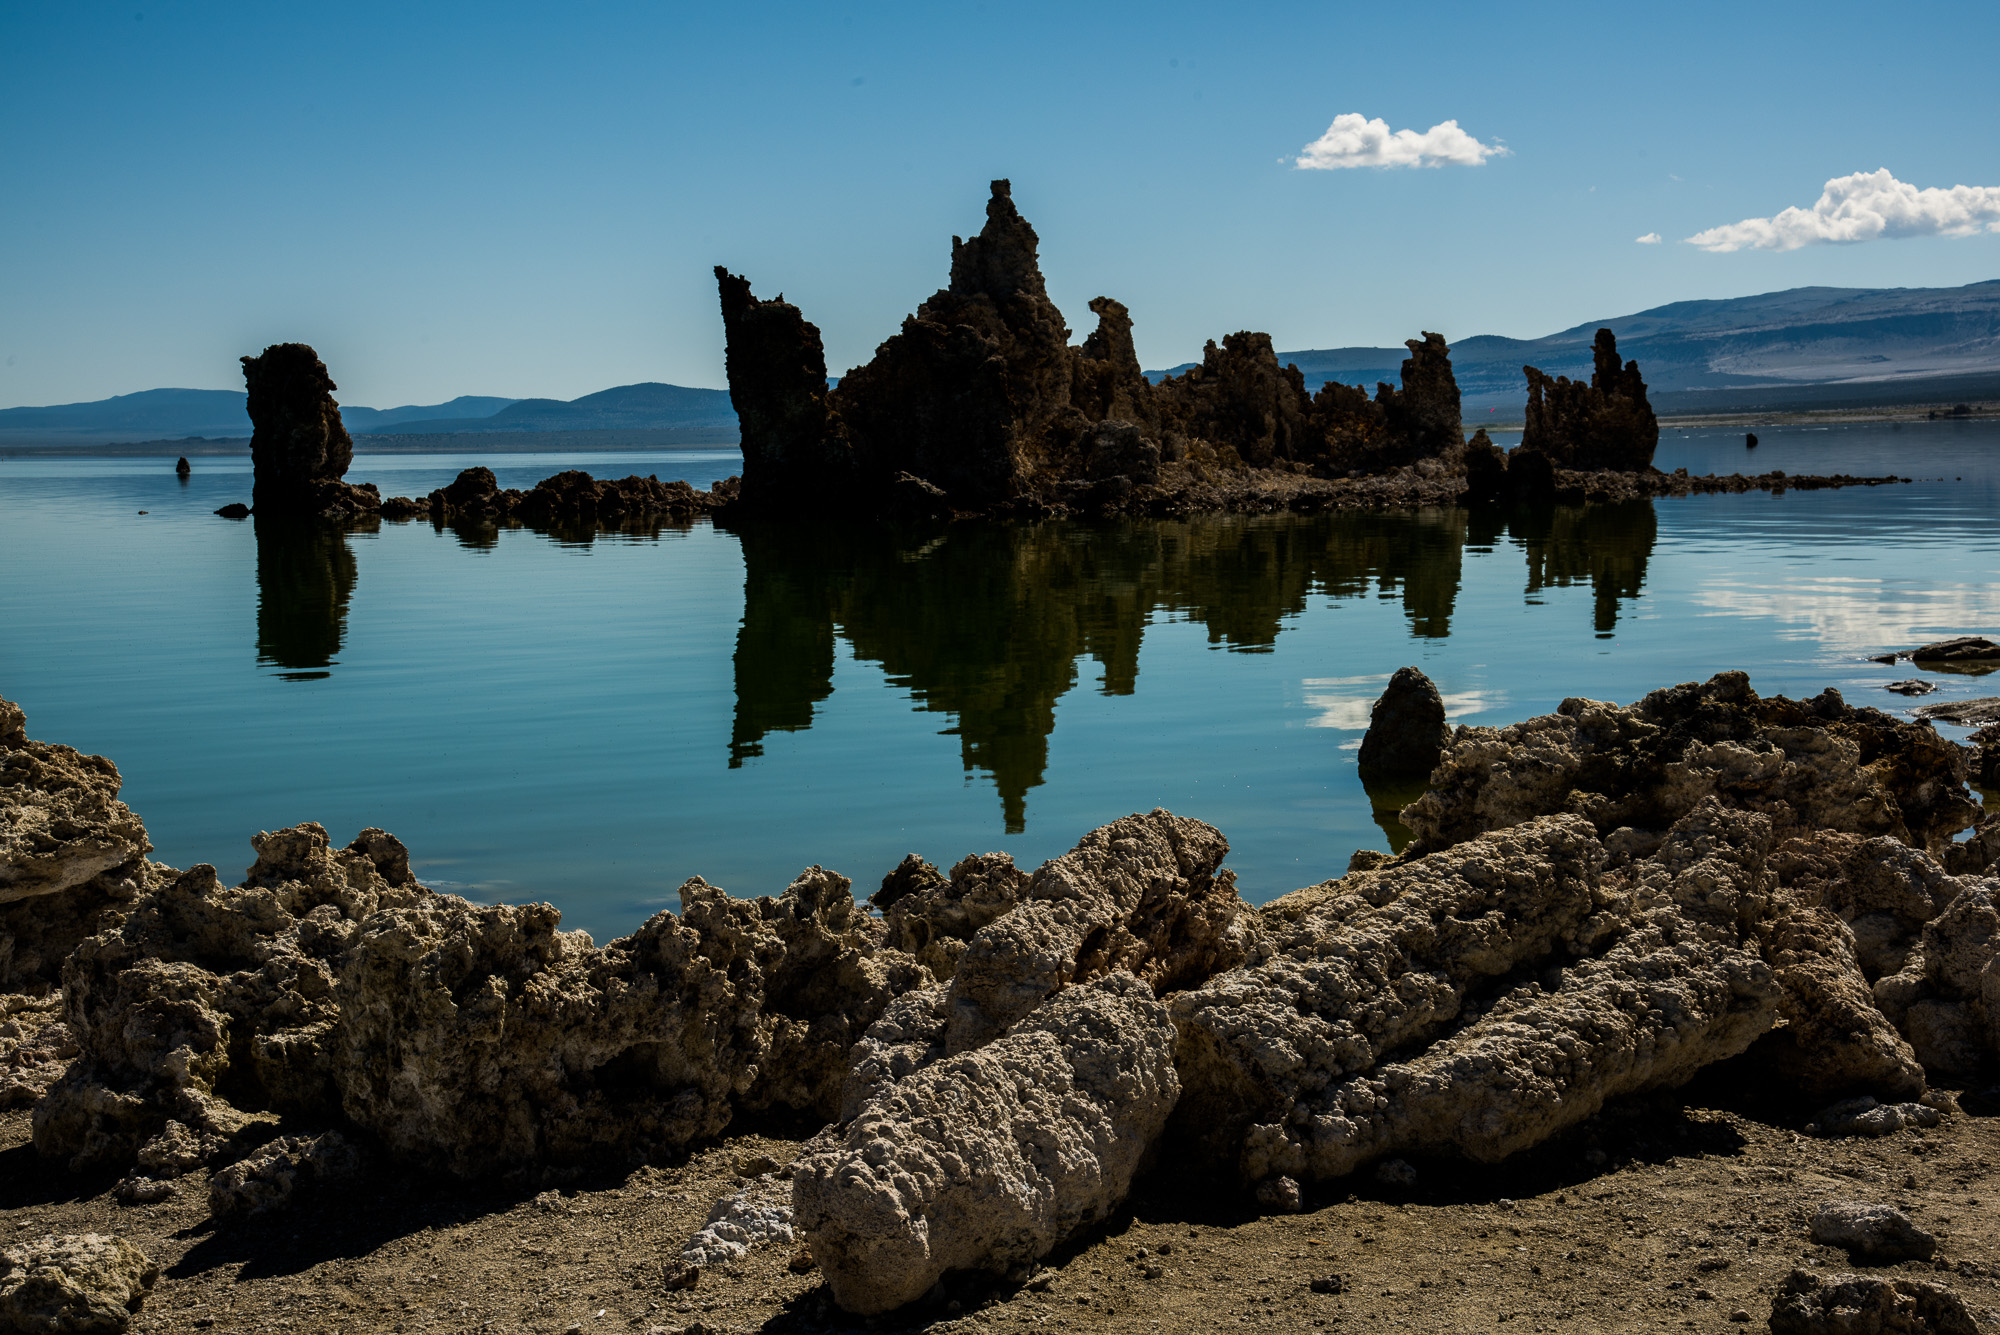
[981, 404]
[573, 497]
[1407, 731]
[1607, 424]
[182, 467]
[298, 447]
[792, 450]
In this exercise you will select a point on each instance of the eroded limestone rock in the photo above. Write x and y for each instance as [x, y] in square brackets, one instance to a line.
[1145, 894]
[72, 1284]
[1871, 1232]
[1817, 764]
[69, 851]
[1946, 997]
[757, 1214]
[200, 982]
[1478, 1001]
[479, 1038]
[991, 1158]
[35, 1047]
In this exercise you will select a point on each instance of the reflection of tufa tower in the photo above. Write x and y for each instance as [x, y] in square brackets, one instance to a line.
[305, 575]
[988, 623]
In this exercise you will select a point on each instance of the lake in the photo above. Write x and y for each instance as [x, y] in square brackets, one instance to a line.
[592, 718]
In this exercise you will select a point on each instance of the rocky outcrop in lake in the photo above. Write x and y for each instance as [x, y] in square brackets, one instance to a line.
[981, 405]
[299, 449]
[1604, 425]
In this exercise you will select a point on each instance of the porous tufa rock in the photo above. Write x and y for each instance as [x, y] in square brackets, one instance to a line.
[1378, 1022]
[990, 1159]
[1871, 1232]
[73, 1284]
[571, 497]
[1810, 764]
[271, 1177]
[201, 983]
[70, 851]
[1946, 997]
[1867, 1116]
[1809, 1303]
[934, 917]
[35, 1047]
[477, 1038]
[756, 1214]
[1146, 894]
[1407, 732]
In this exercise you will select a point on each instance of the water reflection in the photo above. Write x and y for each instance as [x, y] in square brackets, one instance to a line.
[988, 623]
[305, 576]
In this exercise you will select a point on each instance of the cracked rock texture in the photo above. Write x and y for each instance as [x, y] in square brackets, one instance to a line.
[69, 852]
[35, 1047]
[1946, 997]
[72, 1284]
[990, 1159]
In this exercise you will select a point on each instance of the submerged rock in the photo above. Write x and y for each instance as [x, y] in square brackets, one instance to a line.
[994, 1157]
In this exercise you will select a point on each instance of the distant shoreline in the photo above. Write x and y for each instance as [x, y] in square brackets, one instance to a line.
[613, 441]
[462, 442]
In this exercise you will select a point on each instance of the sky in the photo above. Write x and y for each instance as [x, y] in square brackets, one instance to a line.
[527, 200]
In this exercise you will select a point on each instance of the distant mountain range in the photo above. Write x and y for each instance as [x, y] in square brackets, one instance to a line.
[156, 414]
[1876, 344]
[1805, 347]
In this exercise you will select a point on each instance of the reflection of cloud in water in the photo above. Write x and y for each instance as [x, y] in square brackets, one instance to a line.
[1344, 702]
[1866, 615]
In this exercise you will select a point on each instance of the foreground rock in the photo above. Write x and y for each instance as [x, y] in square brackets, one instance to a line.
[992, 1158]
[70, 851]
[74, 1284]
[299, 448]
[1871, 1233]
[1815, 1304]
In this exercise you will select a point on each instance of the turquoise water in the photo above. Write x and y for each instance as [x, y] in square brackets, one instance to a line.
[592, 718]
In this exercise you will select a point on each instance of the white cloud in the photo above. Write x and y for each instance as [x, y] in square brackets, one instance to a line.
[1867, 206]
[1348, 703]
[1353, 140]
[1649, 239]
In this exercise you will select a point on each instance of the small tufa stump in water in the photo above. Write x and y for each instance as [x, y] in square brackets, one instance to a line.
[1407, 732]
[181, 466]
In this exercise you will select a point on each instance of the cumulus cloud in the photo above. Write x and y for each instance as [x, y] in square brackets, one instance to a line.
[1353, 140]
[1867, 206]
[1649, 239]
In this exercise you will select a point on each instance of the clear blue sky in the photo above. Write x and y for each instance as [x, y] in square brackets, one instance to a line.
[526, 200]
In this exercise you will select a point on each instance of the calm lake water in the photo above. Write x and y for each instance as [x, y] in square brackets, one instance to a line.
[590, 719]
